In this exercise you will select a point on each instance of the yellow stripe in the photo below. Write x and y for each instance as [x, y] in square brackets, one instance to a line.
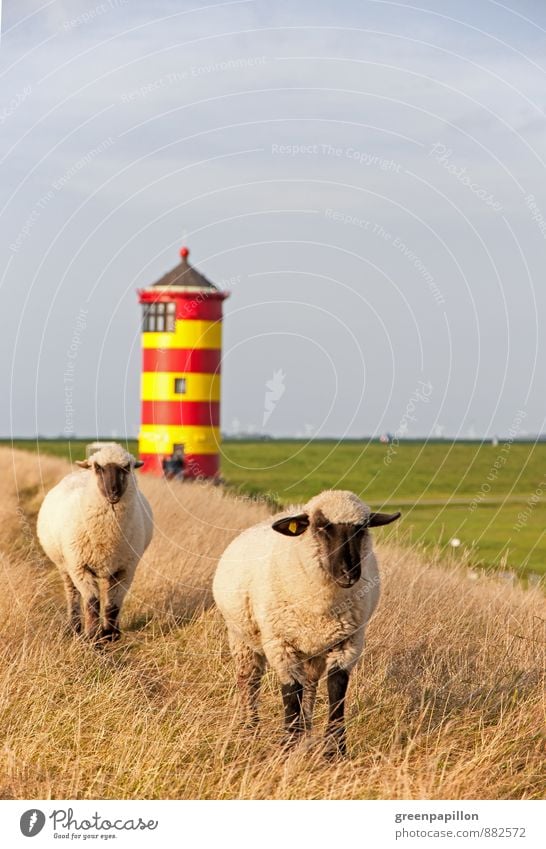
[189, 333]
[159, 386]
[196, 439]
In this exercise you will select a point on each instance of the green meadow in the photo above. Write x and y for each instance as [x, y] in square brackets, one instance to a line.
[489, 497]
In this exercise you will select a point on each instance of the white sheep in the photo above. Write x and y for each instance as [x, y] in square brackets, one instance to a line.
[95, 525]
[297, 591]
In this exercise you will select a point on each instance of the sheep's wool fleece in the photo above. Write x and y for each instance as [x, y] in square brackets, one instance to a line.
[113, 453]
[79, 530]
[278, 600]
[339, 506]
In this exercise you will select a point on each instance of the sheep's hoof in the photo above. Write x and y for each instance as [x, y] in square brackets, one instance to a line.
[106, 637]
[291, 739]
[335, 748]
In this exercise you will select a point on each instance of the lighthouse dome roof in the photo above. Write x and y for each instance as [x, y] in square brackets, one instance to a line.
[185, 275]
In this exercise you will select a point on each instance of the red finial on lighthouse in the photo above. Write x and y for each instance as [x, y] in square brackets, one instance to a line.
[184, 252]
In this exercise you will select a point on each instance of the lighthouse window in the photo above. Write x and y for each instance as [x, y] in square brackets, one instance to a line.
[159, 318]
[170, 320]
[180, 385]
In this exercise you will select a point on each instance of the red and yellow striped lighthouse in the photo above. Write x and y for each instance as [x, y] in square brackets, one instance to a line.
[181, 348]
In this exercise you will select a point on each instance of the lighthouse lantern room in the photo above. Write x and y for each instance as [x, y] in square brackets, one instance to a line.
[181, 354]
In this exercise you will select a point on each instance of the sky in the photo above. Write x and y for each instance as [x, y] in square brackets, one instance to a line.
[365, 178]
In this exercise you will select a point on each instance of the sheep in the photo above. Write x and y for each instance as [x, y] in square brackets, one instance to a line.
[95, 526]
[297, 591]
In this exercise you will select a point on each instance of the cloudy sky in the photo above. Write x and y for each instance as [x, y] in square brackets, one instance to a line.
[366, 178]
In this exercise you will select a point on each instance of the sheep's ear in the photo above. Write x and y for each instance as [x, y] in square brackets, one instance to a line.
[138, 463]
[382, 519]
[83, 464]
[292, 526]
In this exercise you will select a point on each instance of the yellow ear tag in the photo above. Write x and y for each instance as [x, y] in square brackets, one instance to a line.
[293, 527]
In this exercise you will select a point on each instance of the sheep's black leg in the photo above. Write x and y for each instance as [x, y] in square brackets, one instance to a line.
[338, 680]
[113, 593]
[292, 696]
[92, 617]
[73, 606]
[111, 629]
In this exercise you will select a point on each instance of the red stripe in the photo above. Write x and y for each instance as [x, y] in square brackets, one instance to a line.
[181, 413]
[207, 307]
[199, 308]
[202, 465]
[201, 360]
[152, 464]
[197, 465]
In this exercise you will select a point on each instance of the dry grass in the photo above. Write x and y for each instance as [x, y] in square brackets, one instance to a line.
[447, 703]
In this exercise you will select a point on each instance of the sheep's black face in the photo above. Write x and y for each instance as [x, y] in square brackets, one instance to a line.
[341, 549]
[340, 544]
[112, 480]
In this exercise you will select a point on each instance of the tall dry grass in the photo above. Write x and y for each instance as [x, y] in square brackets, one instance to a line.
[446, 704]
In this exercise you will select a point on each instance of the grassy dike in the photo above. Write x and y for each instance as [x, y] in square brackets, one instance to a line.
[491, 498]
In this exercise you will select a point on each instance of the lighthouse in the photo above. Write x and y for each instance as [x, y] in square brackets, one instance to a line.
[181, 354]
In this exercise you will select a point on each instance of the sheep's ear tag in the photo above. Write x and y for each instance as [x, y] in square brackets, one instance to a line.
[292, 526]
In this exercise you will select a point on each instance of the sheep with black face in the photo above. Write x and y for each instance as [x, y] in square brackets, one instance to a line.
[95, 525]
[297, 591]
